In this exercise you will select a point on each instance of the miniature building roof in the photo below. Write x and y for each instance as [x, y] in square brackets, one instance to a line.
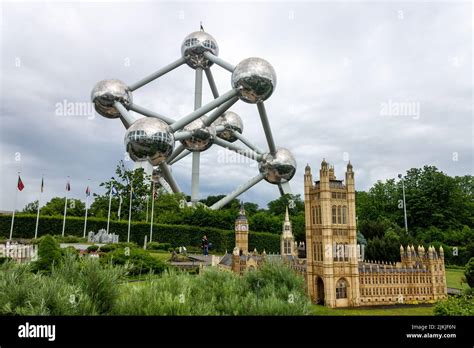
[226, 260]
[242, 215]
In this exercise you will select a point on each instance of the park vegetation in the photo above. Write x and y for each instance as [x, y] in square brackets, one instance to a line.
[73, 285]
[440, 211]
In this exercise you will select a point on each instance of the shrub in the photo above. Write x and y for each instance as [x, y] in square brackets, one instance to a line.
[136, 261]
[97, 281]
[92, 248]
[456, 305]
[49, 253]
[279, 292]
[4, 259]
[176, 235]
[158, 246]
[70, 239]
[69, 250]
[469, 272]
[74, 287]
[108, 247]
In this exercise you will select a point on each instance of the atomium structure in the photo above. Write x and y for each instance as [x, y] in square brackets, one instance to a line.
[156, 142]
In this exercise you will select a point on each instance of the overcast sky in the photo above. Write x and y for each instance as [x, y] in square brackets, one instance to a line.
[343, 70]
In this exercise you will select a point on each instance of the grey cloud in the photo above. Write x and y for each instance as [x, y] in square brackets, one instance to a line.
[336, 64]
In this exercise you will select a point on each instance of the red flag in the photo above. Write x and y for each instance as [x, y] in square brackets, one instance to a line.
[20, 184]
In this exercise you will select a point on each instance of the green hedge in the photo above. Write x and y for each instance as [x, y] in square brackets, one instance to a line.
[176, 235]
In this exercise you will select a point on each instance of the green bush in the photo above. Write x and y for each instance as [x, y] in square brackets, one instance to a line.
[84, 286]
[77, 286]
[469, 272]
[92, 248]
[69, 250]
[176, 235]
[456, 305]
[70, 239]
[49, 253]
[158, 246]
[280, 291]
[108, 247]
[136, 261]
[4, 259]
[97, 281]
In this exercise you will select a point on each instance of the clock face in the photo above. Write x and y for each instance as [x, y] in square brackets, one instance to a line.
[243, 227]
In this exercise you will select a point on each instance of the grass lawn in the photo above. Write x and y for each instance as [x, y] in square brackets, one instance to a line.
[453, 278]
[396, 310]
[162, 255]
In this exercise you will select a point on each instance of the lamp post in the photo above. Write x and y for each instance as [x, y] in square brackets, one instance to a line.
[404, 202]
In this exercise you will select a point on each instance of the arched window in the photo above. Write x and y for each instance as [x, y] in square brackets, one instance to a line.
[334, 214]
[341, 289]
[339, 215]
[287, 247]
[344, 215]
[319, 215]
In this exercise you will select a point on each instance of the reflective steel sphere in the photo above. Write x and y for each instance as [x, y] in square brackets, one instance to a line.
[106, 93]
[203, 137]
[256, 78]
[232, 122]
[279, 168]
[193, 47]
[149, 139]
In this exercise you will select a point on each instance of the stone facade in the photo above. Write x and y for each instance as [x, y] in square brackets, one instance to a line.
[288, 246]
[335, 274]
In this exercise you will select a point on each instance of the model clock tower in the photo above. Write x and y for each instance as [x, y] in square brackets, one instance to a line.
[242, 232]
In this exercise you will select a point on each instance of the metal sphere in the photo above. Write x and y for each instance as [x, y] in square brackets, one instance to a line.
[231, 122]
[149, 139]
[156, 174]
[193, 47]
[279, 168]
[203, 137]
[256, 79]
[105, 93]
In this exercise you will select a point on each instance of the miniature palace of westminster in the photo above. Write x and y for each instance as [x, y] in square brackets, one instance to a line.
[330, 260]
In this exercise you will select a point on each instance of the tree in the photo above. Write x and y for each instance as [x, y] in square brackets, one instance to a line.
[31, 208]
[55, 206]
[469, 272]
[142, 191]
[264, 222]
[49, 253]
[279, 205]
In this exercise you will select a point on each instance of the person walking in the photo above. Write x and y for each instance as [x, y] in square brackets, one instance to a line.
[205, 245]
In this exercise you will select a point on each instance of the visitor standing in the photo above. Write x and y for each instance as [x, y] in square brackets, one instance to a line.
[205, 245]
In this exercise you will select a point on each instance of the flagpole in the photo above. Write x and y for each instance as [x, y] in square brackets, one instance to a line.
[152, 206]
[110, 203]
[147, 199]
[120, 207]
[38, 213]
[14, 208]
[130, 213]
[65, 207]
[87, 207]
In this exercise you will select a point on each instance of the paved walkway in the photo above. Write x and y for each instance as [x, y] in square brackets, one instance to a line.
[454, 291]
[194, 261]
